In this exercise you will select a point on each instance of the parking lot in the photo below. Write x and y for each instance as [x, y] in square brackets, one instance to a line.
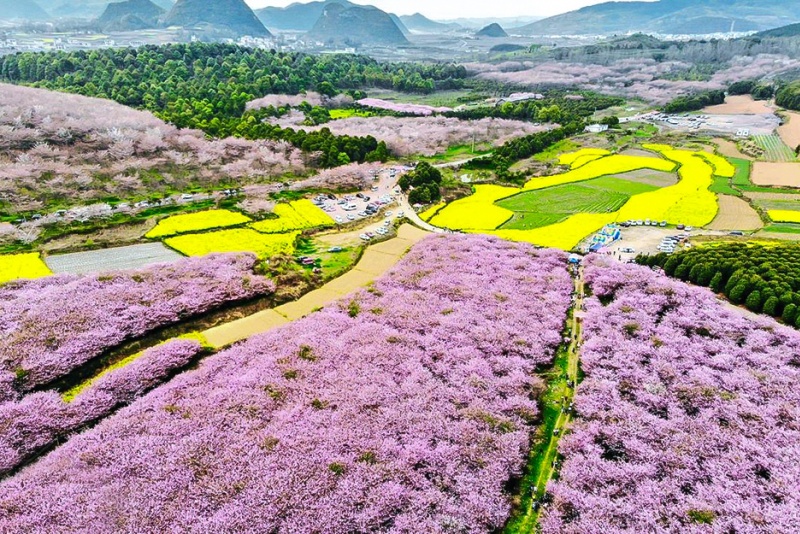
[381, 199]
[733, 125]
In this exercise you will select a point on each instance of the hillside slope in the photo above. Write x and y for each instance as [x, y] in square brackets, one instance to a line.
[297, 16]
[130, 15]
[231, 15]
[21, 10]
[670, 16]
[358, 25]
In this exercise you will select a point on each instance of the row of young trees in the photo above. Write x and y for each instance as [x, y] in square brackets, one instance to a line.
[556, 106]
[789, 96]
[766, 279]
[207, 86]
[520, 148]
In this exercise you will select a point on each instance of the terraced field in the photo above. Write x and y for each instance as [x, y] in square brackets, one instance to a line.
[775, 149]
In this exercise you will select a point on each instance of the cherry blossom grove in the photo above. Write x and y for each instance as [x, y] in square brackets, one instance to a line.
[51, 326]
[405, 407]
[688, 417]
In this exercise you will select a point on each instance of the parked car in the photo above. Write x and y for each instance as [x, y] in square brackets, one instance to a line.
[339, 219]
[351, 217]
[335, 249]
[365, 237]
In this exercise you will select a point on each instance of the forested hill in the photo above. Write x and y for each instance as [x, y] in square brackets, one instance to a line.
[207, 86]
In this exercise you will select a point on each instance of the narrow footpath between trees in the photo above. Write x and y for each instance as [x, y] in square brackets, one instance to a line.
[557, 413]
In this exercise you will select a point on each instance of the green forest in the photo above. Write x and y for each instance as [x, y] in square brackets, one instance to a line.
[766, 279]
[207, 86]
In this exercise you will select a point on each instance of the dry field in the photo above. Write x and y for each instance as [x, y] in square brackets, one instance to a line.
[729, 149]
[740, 105]
[649, 177]
[639, 152]
[790, 131]
[776, 174]
[735, 214]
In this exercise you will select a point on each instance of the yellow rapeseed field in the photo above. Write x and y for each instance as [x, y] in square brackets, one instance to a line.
[16, 266]
[476, 212]
[688, 202]
[582, 157]
[195, 222]
[617, 164]
[565, 235]
[237, 240]
[784, 216]
[428, 214]
[722, 167]
[297, 215]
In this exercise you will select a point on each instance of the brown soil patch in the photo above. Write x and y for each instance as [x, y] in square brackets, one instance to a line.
[776, 174]
[790, 130]
[740, 105]
[728, 148]
[649, 177]
[771, 196]
[640, 153]
[735, 214]
[116, 236]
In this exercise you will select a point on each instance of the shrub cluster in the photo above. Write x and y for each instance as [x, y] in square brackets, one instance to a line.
[764, 278]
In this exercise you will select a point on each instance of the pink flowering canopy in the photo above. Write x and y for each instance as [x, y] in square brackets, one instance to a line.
[688, 419]
[404, 408]
[52, 326]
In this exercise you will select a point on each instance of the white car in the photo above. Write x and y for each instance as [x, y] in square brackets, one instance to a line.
[187, 196]
[365, 237]
[351, 217]
[389, 214]
[339, 220]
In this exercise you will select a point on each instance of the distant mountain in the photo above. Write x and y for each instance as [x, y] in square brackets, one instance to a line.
[399, 23]
[422, 24]
[297, 16]
[792, 30]
[478, 23]
[670, 17]
[130, 15]
[356, 25]
[493, 30]
[21, 10]
[233, 16]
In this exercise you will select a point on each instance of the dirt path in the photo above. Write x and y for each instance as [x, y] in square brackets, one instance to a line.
[376, 261]
[556, 401]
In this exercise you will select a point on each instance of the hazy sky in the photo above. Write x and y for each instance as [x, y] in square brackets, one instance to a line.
[451, 9]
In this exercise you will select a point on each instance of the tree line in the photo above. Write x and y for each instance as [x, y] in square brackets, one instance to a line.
[695, 101]
[207, 86]
[766, 279]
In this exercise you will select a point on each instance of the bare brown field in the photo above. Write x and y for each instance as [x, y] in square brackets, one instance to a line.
[735, 214]
[776, 174]
[639, 152]
[728, 148]
[771, 196]
[740, 105]
[790, 131]
[649, 177]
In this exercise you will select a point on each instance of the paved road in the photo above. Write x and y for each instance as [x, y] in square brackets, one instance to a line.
[412, 216]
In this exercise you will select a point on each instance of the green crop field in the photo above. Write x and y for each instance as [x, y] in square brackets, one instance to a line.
[722, 186]
[783, 228]
[775, 148]
[536, 209]
[743, 170]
